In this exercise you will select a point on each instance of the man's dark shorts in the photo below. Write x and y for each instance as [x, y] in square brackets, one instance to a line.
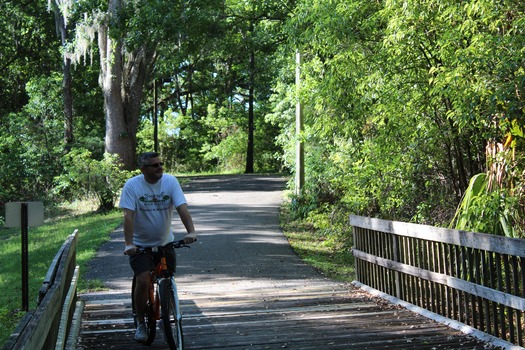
[148, 260]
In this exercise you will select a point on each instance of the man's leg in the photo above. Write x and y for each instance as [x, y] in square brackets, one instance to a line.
[141, 294]
[171, 259]
[141, 265]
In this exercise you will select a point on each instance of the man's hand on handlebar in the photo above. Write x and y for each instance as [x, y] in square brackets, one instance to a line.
[190, 238]
[130, 249]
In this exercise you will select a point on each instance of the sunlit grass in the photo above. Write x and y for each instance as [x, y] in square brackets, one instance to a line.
[328, 253]
[43, 244]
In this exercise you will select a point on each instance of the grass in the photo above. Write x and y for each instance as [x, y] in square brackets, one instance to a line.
[327, 251]
[44, 242]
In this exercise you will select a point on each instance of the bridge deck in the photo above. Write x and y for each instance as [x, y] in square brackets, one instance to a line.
[316, 317]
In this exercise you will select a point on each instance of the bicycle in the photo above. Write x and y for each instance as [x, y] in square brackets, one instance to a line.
[163, 301]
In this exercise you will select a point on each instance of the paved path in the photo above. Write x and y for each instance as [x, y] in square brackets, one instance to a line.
[242, 287]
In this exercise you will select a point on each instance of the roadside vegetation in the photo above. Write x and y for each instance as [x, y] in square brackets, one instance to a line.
[322, 240]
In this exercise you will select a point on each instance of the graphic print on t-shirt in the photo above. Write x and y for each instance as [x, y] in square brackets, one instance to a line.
[154, 198]
[155, 202]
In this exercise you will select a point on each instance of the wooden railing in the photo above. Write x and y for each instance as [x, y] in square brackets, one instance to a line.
[475, 279]
[50, 326]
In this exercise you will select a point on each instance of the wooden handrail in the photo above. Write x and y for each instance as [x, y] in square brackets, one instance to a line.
[39, 329]
[50, 276]
[473, 278]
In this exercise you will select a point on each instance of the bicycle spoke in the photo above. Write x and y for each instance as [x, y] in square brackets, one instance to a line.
[151, 324]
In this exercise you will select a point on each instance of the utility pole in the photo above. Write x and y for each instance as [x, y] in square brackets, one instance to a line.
[299, 146]
[155, 118]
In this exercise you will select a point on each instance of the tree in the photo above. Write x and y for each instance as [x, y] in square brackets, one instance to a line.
[402, 102]
[131, 36]
[253, 31]
[61, 14]
[27, 121]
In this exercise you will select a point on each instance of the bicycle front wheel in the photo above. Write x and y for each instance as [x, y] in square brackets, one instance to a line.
[170, 314]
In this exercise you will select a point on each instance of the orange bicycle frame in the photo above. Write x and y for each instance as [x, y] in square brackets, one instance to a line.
[153, 293]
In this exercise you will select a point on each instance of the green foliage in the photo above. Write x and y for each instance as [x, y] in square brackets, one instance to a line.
[400, 102]
[228, 139]
[85, 177]
[209, 74]
[32, 143]
[475, 191]
[28, 50]
[481, 210]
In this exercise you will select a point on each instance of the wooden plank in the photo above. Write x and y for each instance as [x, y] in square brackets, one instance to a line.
[290, 319]
[50, 276]
[498, 244]
[66, 311]
[71, 343]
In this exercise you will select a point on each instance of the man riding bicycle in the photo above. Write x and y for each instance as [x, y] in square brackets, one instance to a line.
[148, 201]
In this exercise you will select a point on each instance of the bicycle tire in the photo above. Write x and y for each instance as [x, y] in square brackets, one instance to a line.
[170, 315]
[149, 317]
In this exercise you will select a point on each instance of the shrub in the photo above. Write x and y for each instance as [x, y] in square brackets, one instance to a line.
[84, 176]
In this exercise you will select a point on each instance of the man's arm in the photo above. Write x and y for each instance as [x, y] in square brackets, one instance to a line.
[129, 224]
[187, 221]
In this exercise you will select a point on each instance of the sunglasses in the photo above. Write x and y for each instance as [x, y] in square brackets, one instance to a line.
[155, 165]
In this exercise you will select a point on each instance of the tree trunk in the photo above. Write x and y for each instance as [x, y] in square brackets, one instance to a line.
[67, 94]
[117, 139]
[123, 78]
[68, 104]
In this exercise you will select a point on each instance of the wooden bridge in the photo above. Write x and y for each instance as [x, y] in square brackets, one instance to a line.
[241, 287]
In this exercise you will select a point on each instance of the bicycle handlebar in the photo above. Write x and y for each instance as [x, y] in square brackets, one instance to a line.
[174, 244]
[178, 244]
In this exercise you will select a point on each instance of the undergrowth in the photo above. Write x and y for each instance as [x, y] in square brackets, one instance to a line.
[321, 237]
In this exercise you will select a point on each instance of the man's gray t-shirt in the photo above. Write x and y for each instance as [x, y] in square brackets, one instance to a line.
[153, 206]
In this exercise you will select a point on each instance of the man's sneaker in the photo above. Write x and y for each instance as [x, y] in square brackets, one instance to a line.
[141, 335]
[161, 327]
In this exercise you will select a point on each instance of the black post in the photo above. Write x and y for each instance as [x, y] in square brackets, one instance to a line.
[25, 268]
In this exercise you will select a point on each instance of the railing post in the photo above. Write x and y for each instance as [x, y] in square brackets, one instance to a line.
[356, 262]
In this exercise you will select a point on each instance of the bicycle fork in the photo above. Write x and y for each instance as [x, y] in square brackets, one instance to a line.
[154, 298]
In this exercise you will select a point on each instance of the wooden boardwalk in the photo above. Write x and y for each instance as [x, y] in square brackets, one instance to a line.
[311, 317]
